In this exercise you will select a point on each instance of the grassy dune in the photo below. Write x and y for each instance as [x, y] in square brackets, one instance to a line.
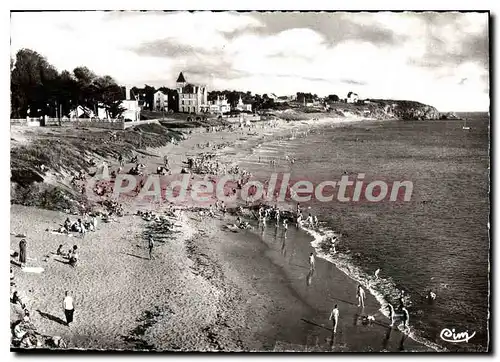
[64, 151]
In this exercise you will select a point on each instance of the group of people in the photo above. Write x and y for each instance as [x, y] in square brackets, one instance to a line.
[79, 226]
[71, 255]
[266, 213]
[205, 164]
[136, 170]
[311, 220]
[24, 332]
[400, 315]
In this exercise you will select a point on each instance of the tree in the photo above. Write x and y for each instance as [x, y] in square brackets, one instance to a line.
[115, 109]
[86, 91]
[33, 83]
[149, 96]
[109, 95]
[66, 93]
[333, 98]
[38, 89]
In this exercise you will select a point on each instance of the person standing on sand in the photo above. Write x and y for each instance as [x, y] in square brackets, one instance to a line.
[94, 222]
[69, 308]
[360, 294]
[311, 261]
[405, 317]
[73, 256]
[334, 317]
[151, 246]
[22, 251]
[83, 230]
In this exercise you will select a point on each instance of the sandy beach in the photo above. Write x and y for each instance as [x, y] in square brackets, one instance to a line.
[207, 288]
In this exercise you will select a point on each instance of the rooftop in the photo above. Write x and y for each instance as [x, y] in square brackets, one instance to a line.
[180, 78]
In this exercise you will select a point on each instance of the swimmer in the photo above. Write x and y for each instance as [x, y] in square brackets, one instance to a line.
[299, 221]
[334, 317]
[360, 294]
[309, 220]
[311, 261]
[406, 317]
[431, 296]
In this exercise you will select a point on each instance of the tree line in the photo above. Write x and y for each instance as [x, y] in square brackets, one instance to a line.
[38, 89]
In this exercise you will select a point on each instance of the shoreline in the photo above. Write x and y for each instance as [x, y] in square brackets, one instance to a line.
[202, 258]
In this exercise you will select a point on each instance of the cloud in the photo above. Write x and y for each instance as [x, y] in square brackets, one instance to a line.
[450, 39]
[419, 56]
[352, 81]
[166, 48]
[335, 27]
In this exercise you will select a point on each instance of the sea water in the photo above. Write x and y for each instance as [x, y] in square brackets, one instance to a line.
[439, 240]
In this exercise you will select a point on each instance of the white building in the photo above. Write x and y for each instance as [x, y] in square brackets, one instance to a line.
[273, 96]
[160, 101]
[219, 106]
[81, 112]
[352, 97]
[132, 110]
[192, 97]
[243, 106]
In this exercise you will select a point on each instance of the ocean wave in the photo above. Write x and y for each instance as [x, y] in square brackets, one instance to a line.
[384, 289]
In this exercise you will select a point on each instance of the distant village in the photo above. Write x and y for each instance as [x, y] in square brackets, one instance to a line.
[195, 99]
[40, 92]
[192, 98]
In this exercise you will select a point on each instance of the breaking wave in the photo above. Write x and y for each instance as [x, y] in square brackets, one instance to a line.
[384, 289]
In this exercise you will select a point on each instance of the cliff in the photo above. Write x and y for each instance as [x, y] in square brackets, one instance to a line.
[381, 109]
[406, 110]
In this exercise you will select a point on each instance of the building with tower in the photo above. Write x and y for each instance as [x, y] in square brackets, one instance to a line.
[193, 98]
[243, 107]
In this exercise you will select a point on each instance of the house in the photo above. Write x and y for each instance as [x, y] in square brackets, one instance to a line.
[243, 107]
[273, 96]
[81, 112]
[192, 97]
[132, 109]
[130, 103]
[160, 101]
[219, 106]
[285, 99]
[312, 104]
[352, 97]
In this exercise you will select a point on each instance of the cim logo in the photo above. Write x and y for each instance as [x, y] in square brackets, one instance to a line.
[452, 337]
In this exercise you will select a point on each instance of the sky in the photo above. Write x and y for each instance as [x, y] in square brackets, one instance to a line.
[441, 59]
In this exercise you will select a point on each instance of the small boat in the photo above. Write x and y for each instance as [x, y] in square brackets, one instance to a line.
[465, 127]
